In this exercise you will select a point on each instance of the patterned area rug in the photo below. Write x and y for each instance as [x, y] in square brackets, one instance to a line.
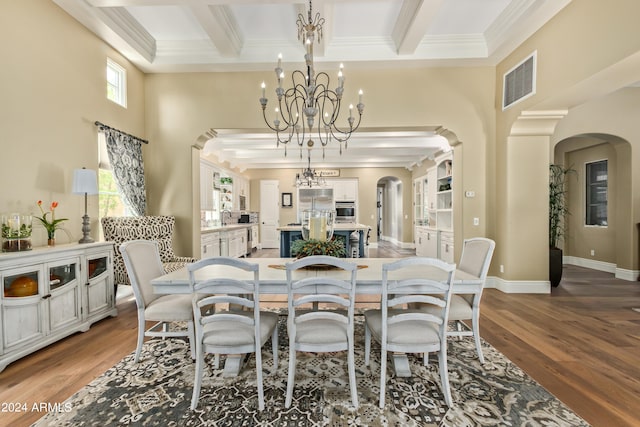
[157, 392]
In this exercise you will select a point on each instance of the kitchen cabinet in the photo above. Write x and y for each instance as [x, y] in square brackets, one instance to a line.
[344, 189]
[444, 195]
[237, 242]
[50, 293]
[446, 247]
[255, 236]
[433, 210]
[210, 243]
[426, 242]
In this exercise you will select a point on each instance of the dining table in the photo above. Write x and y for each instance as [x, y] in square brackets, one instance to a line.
[273, 281]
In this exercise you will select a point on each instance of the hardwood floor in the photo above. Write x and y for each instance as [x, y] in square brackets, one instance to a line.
[582, 343]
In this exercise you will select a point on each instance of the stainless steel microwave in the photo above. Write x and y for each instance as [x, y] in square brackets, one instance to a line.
[345, 211]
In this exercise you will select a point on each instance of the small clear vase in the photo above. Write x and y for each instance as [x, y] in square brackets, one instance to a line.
[317, 224]
[16, 232]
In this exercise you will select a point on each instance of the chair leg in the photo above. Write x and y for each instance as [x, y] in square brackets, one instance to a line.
[291, 376]
[216, 361]
[141, 331]
[383, 375]
[274, 349]
[192, 339]
[352, 374]
[259, 377]
[444, 377]
[425, 359]
[197, 380]
[367, 344]
[476, 336]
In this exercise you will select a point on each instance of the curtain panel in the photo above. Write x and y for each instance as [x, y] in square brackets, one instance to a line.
[125, 156]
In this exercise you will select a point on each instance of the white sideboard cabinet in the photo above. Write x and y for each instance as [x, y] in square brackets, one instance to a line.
[49, 293]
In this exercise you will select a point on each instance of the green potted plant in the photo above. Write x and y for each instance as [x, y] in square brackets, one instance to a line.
[558, 210]
[333, 247]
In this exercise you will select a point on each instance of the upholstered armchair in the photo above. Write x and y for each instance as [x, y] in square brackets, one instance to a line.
[157, 228]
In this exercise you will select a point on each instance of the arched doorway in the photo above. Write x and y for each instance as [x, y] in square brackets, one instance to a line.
[389, 210]
[603, 245]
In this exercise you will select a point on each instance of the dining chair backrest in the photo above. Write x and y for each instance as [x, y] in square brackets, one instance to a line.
[142, 261]
[475, 254]
[321, 290]
[219, 291]
[417, 289]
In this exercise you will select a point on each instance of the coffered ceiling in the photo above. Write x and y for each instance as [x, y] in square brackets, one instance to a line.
[242, 35]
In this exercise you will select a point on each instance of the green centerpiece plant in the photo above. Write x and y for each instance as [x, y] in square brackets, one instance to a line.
[333, 247]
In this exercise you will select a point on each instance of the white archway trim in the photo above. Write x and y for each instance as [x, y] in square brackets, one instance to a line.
[537, 123]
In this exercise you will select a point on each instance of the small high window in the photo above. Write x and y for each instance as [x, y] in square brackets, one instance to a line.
[116, 83]
[597, 193]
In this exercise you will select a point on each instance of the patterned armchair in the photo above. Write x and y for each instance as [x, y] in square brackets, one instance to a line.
[159, 228]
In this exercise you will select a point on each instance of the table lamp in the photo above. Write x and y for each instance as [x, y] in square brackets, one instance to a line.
[85, 181]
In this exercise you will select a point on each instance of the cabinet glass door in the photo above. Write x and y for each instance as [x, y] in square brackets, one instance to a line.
[97, 266]
[21, 285]
[61, 275]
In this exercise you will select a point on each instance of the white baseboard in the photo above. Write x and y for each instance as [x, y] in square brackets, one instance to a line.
[608, 267]
[518, 286]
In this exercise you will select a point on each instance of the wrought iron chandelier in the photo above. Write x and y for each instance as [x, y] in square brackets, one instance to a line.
[309, 177]
[310, 108]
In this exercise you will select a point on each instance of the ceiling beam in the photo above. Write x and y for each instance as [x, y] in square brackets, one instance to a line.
[218, 22]
[413, 21]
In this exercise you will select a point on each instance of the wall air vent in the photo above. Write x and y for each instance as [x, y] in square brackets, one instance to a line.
[520, 82]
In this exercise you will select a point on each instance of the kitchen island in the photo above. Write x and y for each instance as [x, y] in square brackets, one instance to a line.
[291, 233]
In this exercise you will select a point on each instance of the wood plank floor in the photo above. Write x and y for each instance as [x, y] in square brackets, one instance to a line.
[582, 343]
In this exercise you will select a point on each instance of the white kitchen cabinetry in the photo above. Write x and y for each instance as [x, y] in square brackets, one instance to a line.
[237, 242]
[50, 293]
[444, 195]
[426, 242]
[344, 189]
[446, 246]
[210, 245]
[433, 210]
[255, 236]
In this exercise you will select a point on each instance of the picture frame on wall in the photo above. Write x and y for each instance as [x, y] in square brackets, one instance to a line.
[287, 200]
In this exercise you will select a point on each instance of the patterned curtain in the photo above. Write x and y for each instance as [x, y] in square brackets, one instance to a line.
[125, 156]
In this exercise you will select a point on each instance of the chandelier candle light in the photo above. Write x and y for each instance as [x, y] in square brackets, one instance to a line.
[310, 96]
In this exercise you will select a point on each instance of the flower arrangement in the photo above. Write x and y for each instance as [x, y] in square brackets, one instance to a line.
[50, 224]
[334, 247]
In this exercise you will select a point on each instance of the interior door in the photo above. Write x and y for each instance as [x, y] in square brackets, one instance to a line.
[269, 214]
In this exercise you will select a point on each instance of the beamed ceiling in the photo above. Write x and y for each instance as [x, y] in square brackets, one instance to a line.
[160, 36]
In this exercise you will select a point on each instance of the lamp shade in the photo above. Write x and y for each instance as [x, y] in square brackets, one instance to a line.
[85, 181]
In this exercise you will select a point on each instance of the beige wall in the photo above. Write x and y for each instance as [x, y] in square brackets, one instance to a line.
[182, 107]
[588, 50]
[53, 73]
[56, 68]
[612, 120]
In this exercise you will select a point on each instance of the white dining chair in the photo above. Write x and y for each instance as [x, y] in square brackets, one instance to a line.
[327, 329]
[142, 262]
[475, 260]
[405, 330]
[228, 319]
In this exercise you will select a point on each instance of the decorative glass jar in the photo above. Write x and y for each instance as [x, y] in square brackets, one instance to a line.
[317, 224]
[16, 232]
